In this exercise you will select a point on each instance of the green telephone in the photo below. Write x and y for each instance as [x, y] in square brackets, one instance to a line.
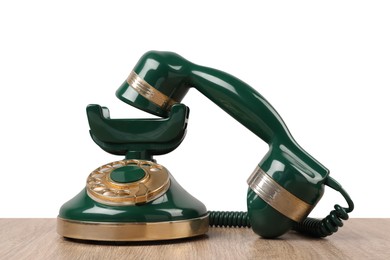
[137, 199]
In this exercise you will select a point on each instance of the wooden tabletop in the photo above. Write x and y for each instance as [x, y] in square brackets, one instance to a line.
[358, 239]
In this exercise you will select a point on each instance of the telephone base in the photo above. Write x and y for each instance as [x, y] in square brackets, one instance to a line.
[132, 200]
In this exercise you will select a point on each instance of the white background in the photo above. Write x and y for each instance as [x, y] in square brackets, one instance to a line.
[324, 66]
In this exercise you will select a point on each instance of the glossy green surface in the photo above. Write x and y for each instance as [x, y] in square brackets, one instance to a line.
[286, 162]
[127, 174]
[175, 204]
[265, 220]
[140, 138]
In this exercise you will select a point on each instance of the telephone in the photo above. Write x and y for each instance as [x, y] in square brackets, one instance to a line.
[137, 199]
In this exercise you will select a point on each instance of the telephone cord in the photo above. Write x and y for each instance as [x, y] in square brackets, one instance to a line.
[309, 226]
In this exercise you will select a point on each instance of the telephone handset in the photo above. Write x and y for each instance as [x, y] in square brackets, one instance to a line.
[283, 189]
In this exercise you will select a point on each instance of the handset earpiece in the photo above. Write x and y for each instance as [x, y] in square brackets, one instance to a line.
[287, 183]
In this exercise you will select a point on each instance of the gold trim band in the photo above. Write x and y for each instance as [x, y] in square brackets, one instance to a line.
[117, 231]
[278, 197]
[149, 92]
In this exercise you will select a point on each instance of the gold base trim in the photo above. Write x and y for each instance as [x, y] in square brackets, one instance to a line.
[118, 231]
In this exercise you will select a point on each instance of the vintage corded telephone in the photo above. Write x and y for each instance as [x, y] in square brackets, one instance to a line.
[137, 199]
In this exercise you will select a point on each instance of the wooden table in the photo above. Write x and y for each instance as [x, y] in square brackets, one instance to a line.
[358, 239]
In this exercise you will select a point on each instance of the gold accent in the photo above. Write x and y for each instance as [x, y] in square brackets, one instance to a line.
[137, 231]
[278, 197]
[149, 92]
[101, 188]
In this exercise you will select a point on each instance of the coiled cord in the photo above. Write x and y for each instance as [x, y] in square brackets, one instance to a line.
[309, 226]
[325, 227]
[229, 219]
[330, 224]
